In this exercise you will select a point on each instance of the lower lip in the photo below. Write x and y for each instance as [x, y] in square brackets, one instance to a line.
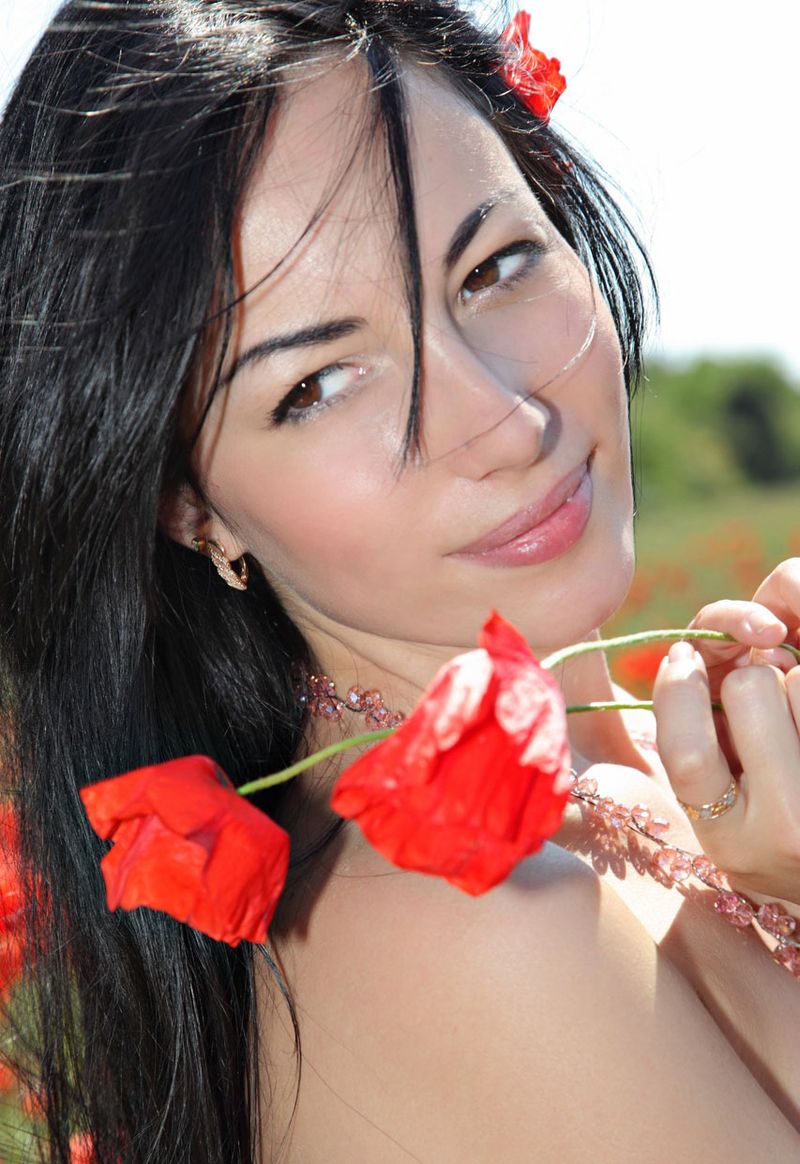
[551, 538]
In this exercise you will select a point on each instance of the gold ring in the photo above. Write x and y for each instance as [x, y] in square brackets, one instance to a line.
[715, 808]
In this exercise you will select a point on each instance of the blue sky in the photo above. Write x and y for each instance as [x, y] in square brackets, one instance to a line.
[692, 108]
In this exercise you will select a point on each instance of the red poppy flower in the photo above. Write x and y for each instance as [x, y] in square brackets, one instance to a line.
[186, 843]
[535, 78]
[477, 777]
[31, 1103]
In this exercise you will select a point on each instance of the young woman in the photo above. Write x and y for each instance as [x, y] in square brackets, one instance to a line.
[309, 287]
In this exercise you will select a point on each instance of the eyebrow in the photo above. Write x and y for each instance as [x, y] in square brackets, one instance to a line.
[305, 337]
[467, 229]
[334, 329]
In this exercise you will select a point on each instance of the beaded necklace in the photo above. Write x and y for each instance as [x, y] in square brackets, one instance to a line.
[610, 821]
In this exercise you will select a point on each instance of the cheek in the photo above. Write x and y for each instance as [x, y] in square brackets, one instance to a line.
[309, 506]
[606, 375]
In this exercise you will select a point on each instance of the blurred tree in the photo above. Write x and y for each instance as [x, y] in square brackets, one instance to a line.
[756, 420]
[711, 426]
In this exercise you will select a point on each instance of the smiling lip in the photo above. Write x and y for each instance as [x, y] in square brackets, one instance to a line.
[540, 531]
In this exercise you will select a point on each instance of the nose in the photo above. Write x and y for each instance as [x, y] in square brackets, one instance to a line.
[479, 415]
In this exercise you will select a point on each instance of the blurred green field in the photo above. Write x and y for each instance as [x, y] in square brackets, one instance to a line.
[695, 551]
[717, 455]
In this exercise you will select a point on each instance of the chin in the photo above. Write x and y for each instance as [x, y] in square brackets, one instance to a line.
[579, 606]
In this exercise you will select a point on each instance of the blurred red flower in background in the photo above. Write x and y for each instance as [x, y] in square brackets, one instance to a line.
[637, 667]
[11, 901]
[81, 1148]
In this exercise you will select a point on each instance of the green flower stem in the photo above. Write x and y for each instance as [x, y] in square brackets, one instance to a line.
[309, 761]
[551, 661]
[644, 637]
[637, 705]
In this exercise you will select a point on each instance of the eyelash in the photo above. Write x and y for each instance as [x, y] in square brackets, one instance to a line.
[284, 413]
[531, 249]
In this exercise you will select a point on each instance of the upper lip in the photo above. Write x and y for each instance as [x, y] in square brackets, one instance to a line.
[531, 516]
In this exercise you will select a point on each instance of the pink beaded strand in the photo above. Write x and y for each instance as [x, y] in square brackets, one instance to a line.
[318, 694]
[673, 866]
[669, 864]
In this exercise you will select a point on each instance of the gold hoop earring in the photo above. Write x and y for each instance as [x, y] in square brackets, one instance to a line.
[224, 567]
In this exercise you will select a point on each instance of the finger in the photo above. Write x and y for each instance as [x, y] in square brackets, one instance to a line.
[685, 732]
[792, 688]
[780, 592]
[773, 657]
[765, 733]
[751, 623]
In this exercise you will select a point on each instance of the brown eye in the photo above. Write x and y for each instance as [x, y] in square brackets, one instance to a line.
[506, 266]
[306, 393]
[483, 276]
[313, 394]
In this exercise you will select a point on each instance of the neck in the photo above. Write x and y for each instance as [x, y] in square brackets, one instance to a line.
[401, 671]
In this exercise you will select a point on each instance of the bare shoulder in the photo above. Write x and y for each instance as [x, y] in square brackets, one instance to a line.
[522, 1021]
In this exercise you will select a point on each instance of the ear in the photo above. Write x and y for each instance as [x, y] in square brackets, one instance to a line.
[183, 515]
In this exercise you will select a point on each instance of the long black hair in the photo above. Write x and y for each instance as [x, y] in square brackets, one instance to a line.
[124, 153]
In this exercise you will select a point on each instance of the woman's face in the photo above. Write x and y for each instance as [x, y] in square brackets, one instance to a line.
[300, 455]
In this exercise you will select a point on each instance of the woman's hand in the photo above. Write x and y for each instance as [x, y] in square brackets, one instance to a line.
[760, 626]
[757, 841]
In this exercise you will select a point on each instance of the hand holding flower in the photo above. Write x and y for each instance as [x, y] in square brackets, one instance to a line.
[756, 631]
[755, 740]
[757, 841]
[760, 627]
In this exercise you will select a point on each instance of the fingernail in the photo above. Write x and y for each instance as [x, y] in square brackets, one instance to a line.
[682, 661]
[759, 624]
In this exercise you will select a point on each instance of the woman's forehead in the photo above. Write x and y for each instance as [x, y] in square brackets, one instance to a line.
[321, 201]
